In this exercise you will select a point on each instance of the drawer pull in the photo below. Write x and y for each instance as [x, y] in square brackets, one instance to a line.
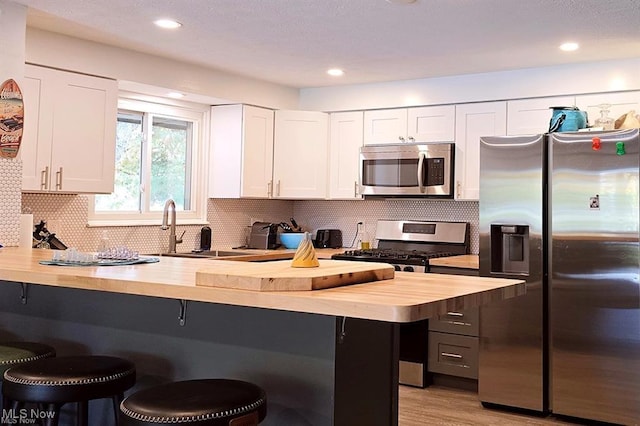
[455, 314]
[449, 355]
[459, 323]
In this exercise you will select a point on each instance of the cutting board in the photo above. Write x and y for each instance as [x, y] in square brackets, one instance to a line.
[281, 276]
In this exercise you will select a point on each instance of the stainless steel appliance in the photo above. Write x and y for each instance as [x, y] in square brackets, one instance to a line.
[396, 170]
[263, 235]
[328, 238]
[408, 246]
[562, 212]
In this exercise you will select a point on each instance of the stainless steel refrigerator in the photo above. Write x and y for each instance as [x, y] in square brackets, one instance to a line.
[562, 211]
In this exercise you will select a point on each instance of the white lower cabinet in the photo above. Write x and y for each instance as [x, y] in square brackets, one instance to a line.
[69, 135]
[300, 154]
[241, 154]
[472, 122]
[345, 141]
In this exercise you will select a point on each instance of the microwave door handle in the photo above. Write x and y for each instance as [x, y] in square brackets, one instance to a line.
[420, 166]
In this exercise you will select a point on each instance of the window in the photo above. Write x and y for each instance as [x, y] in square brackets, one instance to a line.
[159, 156]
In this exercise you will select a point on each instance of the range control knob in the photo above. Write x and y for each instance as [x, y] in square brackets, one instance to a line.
[397, 268]
[408, 269]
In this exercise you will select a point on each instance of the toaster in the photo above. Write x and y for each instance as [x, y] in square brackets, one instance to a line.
[263, 235]
[328, 238]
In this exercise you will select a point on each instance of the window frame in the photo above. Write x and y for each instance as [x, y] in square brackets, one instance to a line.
[199, 114]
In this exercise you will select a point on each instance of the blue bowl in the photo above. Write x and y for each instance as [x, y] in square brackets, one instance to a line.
[291, 240]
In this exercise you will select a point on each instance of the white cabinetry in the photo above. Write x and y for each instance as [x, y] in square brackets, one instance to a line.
[621, 103]
[532, 116]
[385, 126]
[241, 155]
[420, 124]
[344, 154]
[70, 132]
[472, 122]
[300, 154]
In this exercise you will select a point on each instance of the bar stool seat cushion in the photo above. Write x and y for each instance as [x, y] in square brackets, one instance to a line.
[14, 353]
[69, 378]
[205, 402]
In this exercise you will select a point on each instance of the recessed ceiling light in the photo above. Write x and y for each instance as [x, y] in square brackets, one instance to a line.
[569, 47]
[175, 95]
[167, 23]
[335, 72]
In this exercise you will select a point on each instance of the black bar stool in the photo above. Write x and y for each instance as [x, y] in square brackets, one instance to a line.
[206, 402]
[53, 382]
[14, 353]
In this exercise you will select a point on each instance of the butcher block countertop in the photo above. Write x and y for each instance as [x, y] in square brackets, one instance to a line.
[465, 261]
[406, 298]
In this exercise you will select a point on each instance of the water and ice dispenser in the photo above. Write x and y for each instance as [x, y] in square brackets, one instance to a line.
[510, 249]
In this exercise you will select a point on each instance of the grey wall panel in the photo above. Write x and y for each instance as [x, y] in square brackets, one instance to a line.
[290, 354]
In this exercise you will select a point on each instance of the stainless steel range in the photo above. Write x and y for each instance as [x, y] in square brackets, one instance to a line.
[408, 246]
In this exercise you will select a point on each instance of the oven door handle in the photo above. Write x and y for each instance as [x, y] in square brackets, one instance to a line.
[420, 166]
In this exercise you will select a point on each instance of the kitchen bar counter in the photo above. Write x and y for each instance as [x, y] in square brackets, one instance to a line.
[465, 261]
[325, 357]
[406, 298]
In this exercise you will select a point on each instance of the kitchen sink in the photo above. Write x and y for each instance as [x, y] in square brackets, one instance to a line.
[208, 254]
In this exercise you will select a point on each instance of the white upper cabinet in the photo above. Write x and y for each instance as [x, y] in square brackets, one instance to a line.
[431, 124]
[70, 132]
[621, 103]
[472, 122]
[300, 154]
[385, 126]
[241, 154]
[409, 125]
[346, 129]
[532, 116]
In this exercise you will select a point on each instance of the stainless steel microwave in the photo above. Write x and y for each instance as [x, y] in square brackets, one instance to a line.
[407, 170]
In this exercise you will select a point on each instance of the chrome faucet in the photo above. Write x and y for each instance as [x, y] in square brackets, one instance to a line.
[173, 240]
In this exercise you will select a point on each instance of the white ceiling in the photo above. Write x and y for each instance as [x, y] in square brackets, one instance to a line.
[294, 42]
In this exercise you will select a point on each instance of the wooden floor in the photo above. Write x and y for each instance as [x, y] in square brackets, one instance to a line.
[438, 405]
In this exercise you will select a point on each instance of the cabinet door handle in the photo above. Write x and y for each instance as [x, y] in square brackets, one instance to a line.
[458, 189]
[59, 179]
[44, 178]
[355, 189]
[455, 314]
[411, 139]
[270, 189]
[278, 188]
[401, 138]
[449, 355]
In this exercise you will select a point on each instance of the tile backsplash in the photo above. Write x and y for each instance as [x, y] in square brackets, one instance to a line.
[66, 216]
[345, 215]
[11, 178]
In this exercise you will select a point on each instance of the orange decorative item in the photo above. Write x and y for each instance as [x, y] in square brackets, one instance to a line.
[305, 256]
[11, 119]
